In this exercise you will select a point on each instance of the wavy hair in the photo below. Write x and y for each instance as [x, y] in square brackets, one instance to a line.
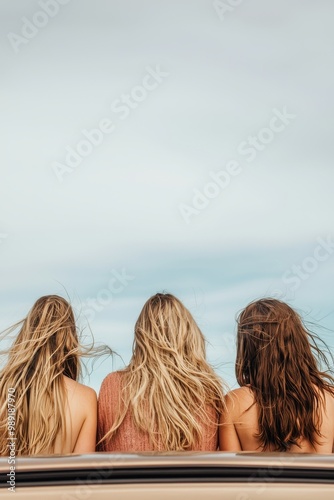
[46, 348]
[168, 385]
[280, 360]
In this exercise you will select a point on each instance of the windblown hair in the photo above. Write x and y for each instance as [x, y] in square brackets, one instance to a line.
[45, 349]
[280, 360]
[168, 385]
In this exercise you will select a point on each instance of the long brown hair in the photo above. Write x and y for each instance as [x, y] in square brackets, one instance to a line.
[168, 384]
[279, 359]
[46, 348]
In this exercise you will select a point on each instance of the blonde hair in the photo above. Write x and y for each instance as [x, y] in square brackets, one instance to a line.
[45, 349]
[168, 385]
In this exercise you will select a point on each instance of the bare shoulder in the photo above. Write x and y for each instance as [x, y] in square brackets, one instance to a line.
[329, 403]
[79, 391]
[238, 401]
[330, 396]
[241, 392]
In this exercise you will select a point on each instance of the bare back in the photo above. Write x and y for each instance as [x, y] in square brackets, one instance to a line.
[81, 419]
[240, 425]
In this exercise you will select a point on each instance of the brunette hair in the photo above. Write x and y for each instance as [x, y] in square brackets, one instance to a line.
[280, 360]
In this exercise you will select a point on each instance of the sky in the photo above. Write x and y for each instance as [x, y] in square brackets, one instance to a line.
[181, 146]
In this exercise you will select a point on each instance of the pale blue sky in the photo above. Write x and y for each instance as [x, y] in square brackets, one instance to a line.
[198, 92]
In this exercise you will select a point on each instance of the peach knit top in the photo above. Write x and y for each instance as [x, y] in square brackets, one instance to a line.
[128, 437]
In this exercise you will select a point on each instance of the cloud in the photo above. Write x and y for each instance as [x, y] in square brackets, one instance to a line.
[120, 206]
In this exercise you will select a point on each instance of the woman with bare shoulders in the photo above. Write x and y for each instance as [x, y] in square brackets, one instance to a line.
[168, 398]
[54, 414]
[285, 402]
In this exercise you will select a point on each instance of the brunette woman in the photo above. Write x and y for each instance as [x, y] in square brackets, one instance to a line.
[286, 401]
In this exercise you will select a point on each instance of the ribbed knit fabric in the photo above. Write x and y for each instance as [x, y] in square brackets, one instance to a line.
[128, 437]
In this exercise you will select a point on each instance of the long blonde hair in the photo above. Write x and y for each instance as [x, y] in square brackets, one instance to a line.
[168, 385]
[45, 349]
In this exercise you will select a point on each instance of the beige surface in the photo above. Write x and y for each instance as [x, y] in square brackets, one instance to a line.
[177, 492]
[266, 465]
[219, 459]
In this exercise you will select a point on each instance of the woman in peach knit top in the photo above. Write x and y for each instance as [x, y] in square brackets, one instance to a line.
[168, 398]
